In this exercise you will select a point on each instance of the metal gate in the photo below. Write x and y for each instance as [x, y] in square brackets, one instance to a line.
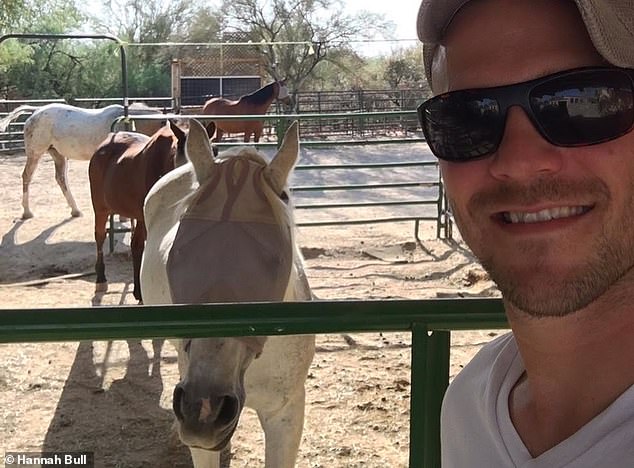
[429, 321]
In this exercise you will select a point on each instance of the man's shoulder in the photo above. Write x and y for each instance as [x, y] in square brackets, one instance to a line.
[469, 417]
[490, 364]
[503, 346]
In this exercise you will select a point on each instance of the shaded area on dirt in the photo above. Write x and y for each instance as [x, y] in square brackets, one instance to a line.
[89, 417]
[58, 396]
[14, 256]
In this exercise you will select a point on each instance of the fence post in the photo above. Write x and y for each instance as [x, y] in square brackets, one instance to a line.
[280, 129]
[430, 377]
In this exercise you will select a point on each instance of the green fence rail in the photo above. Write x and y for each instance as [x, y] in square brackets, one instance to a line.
[429, 321]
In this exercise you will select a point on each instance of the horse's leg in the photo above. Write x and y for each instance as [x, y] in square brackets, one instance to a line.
[101, 218]
[32, 159]
[205, 458]
[61, 175]
[283, 432]
[137, 244]
[218, 136]
[257, 132]
[211, 128]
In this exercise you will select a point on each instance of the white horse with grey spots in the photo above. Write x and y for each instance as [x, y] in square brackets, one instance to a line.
[68, 132]
[221, 230]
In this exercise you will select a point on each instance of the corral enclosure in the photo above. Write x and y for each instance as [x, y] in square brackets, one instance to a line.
[317, 102]
[56, 396]
[113, 398]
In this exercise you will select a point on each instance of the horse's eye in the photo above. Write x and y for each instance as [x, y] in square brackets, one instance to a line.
[187, 345]
[284, 196]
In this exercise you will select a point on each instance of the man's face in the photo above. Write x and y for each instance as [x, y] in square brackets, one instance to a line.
[503, 203]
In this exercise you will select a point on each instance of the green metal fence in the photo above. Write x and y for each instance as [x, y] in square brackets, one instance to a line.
[429, 322]
[441, 217]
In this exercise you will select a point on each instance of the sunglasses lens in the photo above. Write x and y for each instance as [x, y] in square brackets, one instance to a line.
[461, 126]
[575, 108]
[584, 108]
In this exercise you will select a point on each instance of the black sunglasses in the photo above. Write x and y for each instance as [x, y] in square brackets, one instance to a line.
[579, 107]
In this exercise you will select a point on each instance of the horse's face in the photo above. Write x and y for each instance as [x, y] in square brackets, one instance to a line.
[209, 398]
[233, 244]
[283, 94]
[164, 152]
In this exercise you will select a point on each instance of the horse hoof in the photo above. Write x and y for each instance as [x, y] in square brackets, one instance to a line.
[101, 287]
[27, 215]
[75, 213]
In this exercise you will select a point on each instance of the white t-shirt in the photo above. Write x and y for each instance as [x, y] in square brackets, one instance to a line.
[477, 432]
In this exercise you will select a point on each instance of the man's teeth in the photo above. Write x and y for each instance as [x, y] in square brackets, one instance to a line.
[543, 215]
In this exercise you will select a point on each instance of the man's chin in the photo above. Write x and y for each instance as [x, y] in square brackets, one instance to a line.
[547, 300]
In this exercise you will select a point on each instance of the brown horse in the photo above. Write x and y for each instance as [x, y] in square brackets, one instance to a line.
[255, 103]
[121, 172]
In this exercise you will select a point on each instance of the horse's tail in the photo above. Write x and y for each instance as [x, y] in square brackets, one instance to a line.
[4, 123]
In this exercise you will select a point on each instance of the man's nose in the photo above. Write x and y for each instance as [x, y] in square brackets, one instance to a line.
[523, 153]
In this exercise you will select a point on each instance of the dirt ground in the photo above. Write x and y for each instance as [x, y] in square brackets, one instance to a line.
[114, 398]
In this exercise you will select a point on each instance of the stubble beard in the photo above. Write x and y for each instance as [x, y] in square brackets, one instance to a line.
[539, 293]
[534, 288]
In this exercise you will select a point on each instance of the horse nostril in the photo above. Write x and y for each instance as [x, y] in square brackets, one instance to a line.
[179, 391]
[229, 408]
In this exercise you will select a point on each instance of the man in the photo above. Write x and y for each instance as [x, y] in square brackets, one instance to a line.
[532, 123]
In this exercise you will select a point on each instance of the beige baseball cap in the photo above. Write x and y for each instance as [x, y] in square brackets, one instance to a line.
[610, 24]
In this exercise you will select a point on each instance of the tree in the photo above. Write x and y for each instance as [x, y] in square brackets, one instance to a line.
[10, 13]
[35, 67]
[310, 30]
[405, 74]
[404, 68]
[149, 22]
[145, 21]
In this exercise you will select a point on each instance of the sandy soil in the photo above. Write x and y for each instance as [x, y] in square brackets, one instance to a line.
[114, 398]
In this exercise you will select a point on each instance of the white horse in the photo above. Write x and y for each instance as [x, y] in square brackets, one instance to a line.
[65, 132]
[221, 230]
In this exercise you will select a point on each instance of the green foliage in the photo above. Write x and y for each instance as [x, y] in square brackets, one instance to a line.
[404, 69]
[36, 68]
[206, 26]
[144, 20]
[149, 80]
[9, 14]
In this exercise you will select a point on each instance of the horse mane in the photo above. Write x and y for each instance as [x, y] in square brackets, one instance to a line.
[261, 96]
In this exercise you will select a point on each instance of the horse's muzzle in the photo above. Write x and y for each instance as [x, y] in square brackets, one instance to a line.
[208, 421]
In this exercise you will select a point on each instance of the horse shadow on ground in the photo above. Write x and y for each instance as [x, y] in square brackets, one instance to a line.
[35, 259]
[124, 424]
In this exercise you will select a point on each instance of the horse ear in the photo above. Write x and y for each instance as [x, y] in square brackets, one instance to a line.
[285, 159]
[176, 130]
[181, 140]
[198, 150]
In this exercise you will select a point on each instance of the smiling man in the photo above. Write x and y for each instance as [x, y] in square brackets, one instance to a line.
[532, 123]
